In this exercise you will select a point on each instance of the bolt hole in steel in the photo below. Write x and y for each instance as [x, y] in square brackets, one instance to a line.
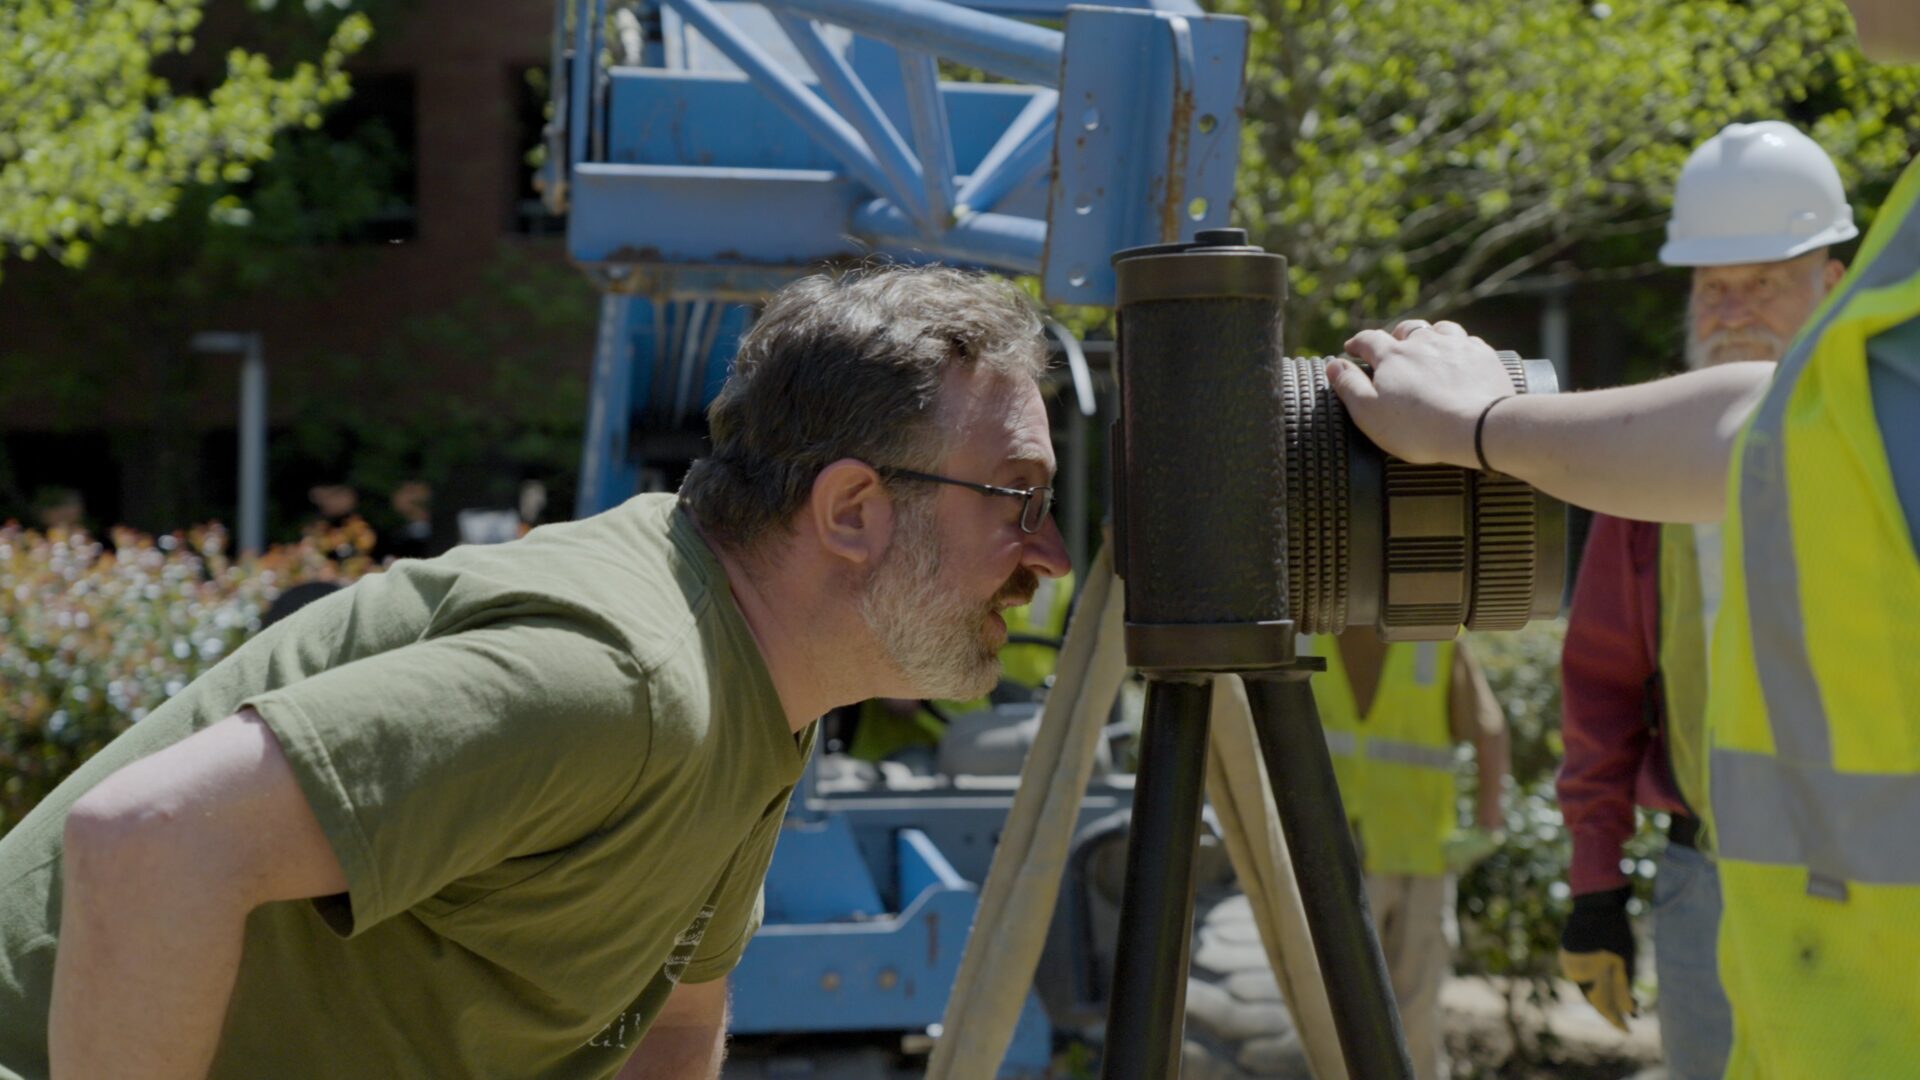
[1083, 205]
[1416, 551]
[1197, 209]
[1207, 123]
[1077, 276]
[1091, 119]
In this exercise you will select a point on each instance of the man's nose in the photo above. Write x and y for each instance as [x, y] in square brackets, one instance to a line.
[1734, 310]
[1046, 552]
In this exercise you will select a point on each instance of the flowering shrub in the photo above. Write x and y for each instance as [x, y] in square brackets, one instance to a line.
[95, 633]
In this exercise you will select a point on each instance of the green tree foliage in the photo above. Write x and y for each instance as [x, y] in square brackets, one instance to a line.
[1424, 154]
[93, 136]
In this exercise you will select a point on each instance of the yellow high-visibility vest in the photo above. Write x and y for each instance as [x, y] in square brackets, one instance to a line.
[1814, 720]
[1690, 589]
[1395, 764]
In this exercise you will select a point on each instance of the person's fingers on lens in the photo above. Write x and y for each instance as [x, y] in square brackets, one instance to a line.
[1406, 327]
[1454, 328]
[1352, 386]
[1369, 345]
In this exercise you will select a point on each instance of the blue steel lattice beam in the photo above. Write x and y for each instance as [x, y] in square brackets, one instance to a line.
[1005, 47]
[792, 96]
[700, 183]
[931, 136]
[852, 98]
[1022, 150]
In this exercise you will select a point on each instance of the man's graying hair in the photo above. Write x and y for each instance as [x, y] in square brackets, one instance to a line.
[848, 365]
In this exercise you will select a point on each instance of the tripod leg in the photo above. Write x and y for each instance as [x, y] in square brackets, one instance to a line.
[1146, 1012]
[1315, 823]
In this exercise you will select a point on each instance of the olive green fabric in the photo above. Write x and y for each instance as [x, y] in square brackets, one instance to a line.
[553, 772]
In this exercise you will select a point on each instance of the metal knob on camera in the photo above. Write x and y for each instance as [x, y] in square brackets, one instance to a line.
[1247, 509]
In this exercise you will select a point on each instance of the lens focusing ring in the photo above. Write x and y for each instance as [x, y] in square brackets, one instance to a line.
[1318, 504]
[1457, 546]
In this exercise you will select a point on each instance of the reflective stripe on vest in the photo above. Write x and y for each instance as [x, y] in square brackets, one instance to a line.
[1412, 754]
[1792, 807]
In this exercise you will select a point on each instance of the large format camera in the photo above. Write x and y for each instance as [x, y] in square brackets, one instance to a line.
[1249, 510]
[1249, 464]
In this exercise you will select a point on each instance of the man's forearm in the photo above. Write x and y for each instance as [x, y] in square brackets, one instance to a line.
[688, 1040]
[1655, 452]
[679, 1053]
[161, 864]
[145, 966]
[1492, 762]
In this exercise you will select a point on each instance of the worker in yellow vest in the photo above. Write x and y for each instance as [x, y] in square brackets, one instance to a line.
[1813, 719]
[1756, 213]
[885, 726]
[1393, 714]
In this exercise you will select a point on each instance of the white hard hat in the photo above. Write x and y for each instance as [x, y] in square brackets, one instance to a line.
[1756, 193]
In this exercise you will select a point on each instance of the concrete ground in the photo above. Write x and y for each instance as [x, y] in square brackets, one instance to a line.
[1581, 1044]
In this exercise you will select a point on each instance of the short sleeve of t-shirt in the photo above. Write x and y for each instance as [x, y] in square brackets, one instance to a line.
[441, 758]
[740, 899]
[738, 903]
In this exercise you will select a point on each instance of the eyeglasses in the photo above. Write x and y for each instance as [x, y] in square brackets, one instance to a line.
[1035, 502]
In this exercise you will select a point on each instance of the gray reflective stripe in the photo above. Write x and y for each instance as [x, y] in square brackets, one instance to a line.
[1707, 561]
[1414, 754]
[1341, 743]
[1762, 806]
[1801, 735]
[1426, 663]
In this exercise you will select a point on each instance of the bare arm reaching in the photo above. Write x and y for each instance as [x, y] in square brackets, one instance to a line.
[688, 1040]
[163, 861]
[1654, 452]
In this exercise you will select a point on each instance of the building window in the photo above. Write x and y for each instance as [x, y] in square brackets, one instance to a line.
[527, 87]
[379, 118]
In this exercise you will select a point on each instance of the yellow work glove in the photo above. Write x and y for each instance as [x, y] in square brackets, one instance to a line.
[1596, 953]
[1468, 848]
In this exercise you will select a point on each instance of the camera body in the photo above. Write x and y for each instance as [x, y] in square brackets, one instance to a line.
[1249, 509]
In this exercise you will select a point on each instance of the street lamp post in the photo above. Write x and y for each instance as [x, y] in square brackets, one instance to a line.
[252, 523]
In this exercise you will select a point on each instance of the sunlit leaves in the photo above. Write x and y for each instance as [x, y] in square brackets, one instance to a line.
[1440, 151]
[91, 138]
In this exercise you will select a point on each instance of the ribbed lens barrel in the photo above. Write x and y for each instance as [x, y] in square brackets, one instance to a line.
[1417, 551]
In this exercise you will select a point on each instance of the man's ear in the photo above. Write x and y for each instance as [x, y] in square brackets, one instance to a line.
[851, 512]
[1832, 273]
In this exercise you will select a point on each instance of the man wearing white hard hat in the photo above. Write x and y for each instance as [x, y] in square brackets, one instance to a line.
[1813, 724]
[1755, 213]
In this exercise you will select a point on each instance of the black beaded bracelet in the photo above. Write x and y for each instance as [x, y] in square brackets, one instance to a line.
[1479, 429]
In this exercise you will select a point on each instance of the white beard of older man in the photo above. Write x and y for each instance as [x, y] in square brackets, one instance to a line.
[1751, 311]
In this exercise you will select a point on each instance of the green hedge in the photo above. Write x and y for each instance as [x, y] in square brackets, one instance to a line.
[96, 632]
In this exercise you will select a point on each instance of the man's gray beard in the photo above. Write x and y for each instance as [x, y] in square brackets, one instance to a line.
[1759, 343]
[936, 639]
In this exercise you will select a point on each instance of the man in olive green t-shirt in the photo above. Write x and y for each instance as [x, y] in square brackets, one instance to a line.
[507, 812]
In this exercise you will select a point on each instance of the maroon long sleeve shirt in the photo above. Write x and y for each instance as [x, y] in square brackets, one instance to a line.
[1612, 713]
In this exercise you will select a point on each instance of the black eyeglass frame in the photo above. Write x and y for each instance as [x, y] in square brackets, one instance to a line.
[1025, 495]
